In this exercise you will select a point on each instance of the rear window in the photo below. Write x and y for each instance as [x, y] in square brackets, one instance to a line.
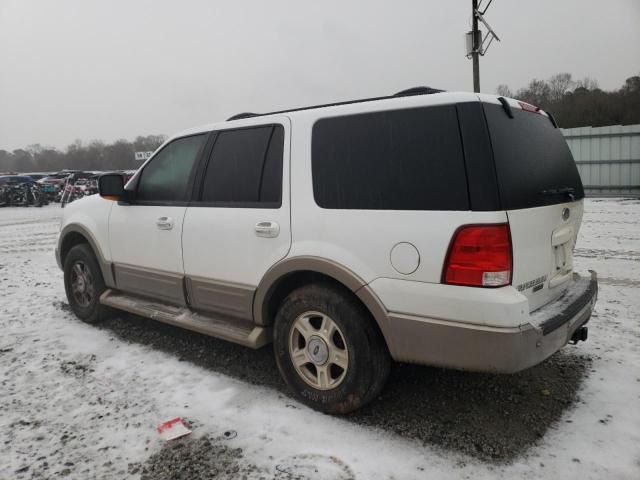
[532, 159]
[245, 168]
[408, 159]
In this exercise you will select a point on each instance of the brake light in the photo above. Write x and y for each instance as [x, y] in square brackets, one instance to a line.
[479, 256]
[527, 107]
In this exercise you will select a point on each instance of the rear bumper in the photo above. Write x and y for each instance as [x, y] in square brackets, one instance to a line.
[494, 349]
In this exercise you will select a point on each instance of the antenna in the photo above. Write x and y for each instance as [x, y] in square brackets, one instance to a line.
[491, 35]
[477, 45]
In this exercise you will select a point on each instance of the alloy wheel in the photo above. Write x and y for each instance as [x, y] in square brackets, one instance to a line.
[318, 350]
[82, 285]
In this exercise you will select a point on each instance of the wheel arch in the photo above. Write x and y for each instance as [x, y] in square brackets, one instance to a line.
[289, 274]
[75, 234]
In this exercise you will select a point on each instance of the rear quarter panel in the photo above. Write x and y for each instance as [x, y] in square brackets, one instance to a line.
[362, 240]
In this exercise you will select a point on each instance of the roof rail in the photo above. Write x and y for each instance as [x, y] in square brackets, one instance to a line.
[404, 93]
[240, 116]
[417, 91]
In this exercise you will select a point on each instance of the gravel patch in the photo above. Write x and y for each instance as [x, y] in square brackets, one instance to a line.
[492, 417]
[191, 458]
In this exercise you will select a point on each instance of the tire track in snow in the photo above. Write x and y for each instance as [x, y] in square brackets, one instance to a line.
[620, 282]
[607, 254]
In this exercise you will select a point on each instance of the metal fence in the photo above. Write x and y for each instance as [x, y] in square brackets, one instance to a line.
[608, 158]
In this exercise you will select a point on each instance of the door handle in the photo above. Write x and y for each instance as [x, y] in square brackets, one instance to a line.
[164, 223]
[267, 229]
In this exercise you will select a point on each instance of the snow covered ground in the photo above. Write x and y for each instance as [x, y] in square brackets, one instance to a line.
[82, 402]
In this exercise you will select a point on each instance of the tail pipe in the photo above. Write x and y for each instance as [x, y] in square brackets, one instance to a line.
[580, 335]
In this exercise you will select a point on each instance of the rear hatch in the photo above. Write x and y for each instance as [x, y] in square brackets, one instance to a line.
[541, 190]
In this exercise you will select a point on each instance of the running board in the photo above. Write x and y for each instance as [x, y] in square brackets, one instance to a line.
[226, 328]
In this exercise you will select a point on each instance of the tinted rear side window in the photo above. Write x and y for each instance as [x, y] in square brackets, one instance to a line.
[393, 160]
[271, 184]
[532, 158]
[246, 167]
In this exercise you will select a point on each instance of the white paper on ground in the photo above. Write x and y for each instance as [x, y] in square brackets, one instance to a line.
[172, 429]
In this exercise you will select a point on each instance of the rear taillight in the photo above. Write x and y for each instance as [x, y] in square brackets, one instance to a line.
[479, 256]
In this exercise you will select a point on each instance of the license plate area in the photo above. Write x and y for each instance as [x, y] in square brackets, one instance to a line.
[562, 241]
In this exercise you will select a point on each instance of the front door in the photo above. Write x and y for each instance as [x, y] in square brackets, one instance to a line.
[146, 235]
[240, 224]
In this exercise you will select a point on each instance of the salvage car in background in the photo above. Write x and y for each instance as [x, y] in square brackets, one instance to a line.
[21, 190]
[52, 185]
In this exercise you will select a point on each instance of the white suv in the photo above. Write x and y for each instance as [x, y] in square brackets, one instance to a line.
[428, 227]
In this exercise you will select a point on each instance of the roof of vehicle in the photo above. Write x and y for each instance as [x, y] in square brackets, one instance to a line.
[404, 93]
[411, 98]
[404, 99]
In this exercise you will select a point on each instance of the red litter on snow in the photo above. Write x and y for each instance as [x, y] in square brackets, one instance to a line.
[172, 429]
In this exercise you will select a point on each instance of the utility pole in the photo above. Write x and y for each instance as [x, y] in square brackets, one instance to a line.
[475, 41]
[475, 45]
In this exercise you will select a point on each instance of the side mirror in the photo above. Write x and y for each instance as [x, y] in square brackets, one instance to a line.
[111, 186]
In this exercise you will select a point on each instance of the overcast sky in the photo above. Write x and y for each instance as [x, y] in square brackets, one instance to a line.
[82, 69]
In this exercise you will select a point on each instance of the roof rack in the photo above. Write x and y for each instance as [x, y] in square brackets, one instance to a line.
[404, 93]
[240, 116]
[417, 91]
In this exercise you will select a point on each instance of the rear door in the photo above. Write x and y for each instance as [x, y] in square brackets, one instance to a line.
[239, 225]
[541, 190]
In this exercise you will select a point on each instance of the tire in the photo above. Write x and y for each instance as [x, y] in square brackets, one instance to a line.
[319, 380]
[81, 261]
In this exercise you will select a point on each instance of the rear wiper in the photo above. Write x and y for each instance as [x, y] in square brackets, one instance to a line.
[568, 191]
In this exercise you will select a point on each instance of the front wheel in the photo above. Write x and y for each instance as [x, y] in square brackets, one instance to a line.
[84, 284]
[328, 349]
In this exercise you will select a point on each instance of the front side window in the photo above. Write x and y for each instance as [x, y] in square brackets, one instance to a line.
[245, 167]
[166, 177]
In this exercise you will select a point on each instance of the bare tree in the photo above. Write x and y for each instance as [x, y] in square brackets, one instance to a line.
[537, 92]
[587, 83]
[559, 84]
[631, 85]
[504, 91]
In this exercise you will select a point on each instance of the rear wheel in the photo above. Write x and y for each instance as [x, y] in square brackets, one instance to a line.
[328, 349]
[84, 284]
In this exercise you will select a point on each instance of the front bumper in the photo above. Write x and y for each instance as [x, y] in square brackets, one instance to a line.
[494, 349]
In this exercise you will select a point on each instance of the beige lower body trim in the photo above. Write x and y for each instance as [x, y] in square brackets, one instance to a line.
[221, 297]
[150, 283]
[472, 347]
[225, 298]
